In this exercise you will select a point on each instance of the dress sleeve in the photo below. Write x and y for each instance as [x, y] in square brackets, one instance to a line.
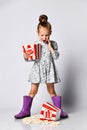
[55, 54]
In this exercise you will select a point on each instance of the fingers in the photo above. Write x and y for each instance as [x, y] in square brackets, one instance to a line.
[24, 50]
[48, 40]
[26, 56]
[49, 44]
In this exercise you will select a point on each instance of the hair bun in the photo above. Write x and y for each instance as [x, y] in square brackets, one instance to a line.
[43, 18]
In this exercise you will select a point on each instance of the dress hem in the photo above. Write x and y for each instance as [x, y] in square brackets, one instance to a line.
[46, 82]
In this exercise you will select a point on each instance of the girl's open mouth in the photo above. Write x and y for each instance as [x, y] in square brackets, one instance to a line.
[44, 41]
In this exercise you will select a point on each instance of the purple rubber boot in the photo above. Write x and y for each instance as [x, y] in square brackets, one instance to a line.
[25, 112]
[57, 102]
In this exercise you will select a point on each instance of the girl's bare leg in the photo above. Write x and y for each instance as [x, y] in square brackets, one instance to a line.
[34, 89]
[51, 90]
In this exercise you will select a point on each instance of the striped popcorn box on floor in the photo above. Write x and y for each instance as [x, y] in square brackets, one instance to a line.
[49, 112]
[34, 51]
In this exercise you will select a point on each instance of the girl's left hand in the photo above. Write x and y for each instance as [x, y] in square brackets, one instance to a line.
[49, 43]
[50, 46]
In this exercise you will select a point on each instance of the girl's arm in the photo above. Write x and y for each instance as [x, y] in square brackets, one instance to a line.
[54, 49]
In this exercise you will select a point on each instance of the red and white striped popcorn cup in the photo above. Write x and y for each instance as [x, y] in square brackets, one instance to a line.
[34, 51]
[49, 112]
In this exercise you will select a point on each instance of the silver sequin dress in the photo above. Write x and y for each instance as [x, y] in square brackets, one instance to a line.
[44, 70]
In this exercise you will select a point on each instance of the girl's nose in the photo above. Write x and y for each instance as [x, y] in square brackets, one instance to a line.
[44, 37]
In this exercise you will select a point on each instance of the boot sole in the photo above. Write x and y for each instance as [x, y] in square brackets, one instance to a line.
[21, 117]
[64, 117]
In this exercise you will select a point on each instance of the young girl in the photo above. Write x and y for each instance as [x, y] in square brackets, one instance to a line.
[43, 70]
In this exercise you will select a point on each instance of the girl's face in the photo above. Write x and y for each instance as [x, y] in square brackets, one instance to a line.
[44, 34]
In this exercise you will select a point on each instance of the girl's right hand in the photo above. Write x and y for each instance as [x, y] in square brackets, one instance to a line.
[26, 56]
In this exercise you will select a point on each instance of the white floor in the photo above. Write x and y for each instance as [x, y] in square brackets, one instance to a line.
[76, 121]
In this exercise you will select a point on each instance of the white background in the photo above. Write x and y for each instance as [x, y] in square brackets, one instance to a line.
[18, 23]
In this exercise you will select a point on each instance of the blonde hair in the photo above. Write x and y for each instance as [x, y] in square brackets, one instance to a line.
[43, 22]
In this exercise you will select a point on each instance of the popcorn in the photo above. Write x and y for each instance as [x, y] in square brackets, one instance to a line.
[34, 51]
[35, 119]
[49, 112]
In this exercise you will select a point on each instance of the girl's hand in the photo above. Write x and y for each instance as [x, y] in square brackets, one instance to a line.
[26, 56]
[49, 43]
[50, 46]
